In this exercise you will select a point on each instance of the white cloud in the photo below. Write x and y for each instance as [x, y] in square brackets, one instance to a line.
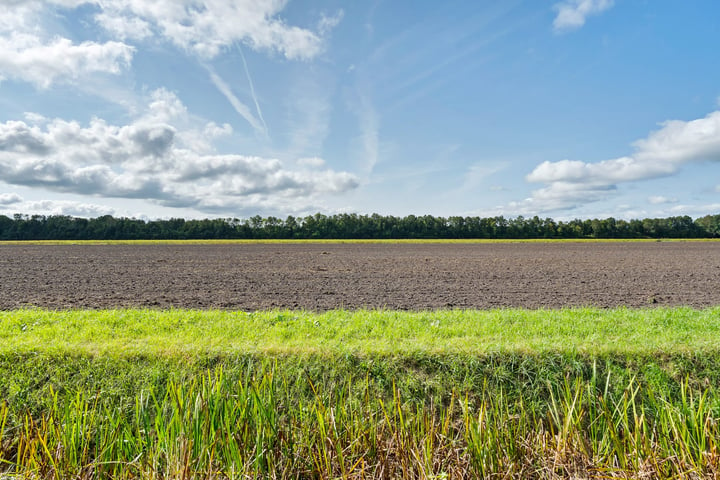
[65, 207]
[201, 141]
[680, 142]
[659, 200]
[572, 14]
[571, 182]
[27, 57]
[10, 198]
[690, 210]
[208, 27]
[124, 28]
[213, 130]
[30, 51]
[155, 158]
[34, 117]
[622, 169]
[328, 22]
[560, 196]
[20, 15]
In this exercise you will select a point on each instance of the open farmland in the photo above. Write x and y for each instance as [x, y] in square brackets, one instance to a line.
[278, 371]
[321, 277]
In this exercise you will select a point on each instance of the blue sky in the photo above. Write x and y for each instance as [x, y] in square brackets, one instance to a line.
[198, 109]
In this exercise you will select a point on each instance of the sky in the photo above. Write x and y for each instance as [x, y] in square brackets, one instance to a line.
[206, 109]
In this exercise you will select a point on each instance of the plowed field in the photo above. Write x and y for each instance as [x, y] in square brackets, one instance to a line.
[328, 276]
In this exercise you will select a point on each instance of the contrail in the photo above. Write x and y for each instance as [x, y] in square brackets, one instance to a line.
[252, 88]
[239, 106]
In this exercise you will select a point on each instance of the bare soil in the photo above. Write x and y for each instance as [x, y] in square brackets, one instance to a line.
[328, 276]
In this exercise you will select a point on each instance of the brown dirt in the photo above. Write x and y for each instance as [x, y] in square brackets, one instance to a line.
[327, 276]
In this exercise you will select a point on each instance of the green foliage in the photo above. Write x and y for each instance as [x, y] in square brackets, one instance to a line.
[351, 226]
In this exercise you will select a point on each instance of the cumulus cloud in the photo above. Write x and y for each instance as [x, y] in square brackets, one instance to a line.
[560, 196]
[66, 207]
[29, 58]
[10, 198]
[572, 14]
[209, 26]
[11, 202]
[155, 157]
[30, 53]
[662, 153]
[124, 27]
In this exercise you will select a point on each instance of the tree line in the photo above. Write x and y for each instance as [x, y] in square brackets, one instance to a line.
[350, 226]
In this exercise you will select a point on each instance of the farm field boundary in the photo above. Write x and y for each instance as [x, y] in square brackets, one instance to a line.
[359, 241]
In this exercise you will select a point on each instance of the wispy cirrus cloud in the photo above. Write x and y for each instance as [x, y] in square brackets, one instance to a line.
[572, 14]
[258, 123]
[369, 138]
[209, 28]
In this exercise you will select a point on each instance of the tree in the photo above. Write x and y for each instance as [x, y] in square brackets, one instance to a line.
[709, 225]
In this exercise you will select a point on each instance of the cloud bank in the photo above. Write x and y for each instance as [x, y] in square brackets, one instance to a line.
[65, 207]
[160, 156]
[570, 183]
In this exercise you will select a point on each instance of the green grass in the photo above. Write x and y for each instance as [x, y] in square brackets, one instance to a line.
[212, 428]
[583, 393]
[375, 332]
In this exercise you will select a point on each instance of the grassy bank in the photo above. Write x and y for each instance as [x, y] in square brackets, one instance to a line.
[369, 333]
[367, 394]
